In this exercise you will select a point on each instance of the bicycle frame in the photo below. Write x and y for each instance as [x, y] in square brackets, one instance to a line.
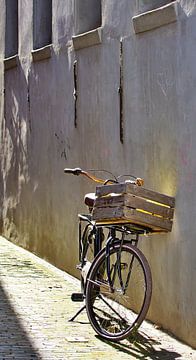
[91, 233]
[97, 231]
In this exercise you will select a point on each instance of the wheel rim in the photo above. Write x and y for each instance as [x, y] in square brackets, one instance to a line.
[109, 312]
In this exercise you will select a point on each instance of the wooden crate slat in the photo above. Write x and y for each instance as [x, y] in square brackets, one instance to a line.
[147, 219]
[133, 216]
[132, 201]
[137, 191]
[107, 189]
[109, 200]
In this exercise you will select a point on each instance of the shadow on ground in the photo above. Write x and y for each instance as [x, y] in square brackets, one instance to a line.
[140, 346]
[14, 341]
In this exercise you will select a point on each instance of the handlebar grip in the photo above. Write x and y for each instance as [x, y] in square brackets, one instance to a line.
[76, 171]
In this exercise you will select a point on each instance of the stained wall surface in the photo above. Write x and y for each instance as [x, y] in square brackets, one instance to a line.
[43, 129]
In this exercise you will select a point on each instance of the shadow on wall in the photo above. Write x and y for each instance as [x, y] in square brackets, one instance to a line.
[26, 146]
[13, 338]
[16, 131]
[16, 128]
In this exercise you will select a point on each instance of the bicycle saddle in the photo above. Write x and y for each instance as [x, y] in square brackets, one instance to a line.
[89, 199]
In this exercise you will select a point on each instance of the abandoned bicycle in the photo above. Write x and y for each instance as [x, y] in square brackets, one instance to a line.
[116, 282]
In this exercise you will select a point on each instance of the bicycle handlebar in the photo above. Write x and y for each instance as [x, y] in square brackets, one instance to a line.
[78, 171]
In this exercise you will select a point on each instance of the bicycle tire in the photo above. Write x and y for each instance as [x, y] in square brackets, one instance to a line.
[107, 313]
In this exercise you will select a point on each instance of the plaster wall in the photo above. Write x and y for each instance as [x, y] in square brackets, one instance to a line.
[39, 137]
[2, 50]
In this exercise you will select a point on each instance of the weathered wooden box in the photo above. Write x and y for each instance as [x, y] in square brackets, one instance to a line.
[130, 203]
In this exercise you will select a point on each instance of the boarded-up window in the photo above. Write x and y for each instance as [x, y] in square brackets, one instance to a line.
[42, 23]
[11, 28]
[87, 15]
[147, 5]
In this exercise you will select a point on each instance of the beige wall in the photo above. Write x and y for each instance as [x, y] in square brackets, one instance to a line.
[38, 139]
[2, 50]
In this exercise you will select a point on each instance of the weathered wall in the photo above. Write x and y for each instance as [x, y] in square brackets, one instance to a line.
[2, 50]
[39, 139]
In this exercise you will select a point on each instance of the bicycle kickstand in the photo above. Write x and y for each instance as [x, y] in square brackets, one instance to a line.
[78, 313]
[77, 297]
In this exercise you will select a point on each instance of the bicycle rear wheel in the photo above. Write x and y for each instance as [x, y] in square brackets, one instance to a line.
[114, 312]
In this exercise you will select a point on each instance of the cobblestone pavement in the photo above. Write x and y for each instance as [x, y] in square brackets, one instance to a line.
[35, 307]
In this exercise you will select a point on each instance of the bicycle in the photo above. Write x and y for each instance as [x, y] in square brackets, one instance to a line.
[116, 281]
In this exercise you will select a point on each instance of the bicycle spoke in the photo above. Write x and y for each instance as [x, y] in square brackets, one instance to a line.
[106, 302]
[115, 312]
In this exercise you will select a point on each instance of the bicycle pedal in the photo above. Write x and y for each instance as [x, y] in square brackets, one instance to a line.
[77, 297]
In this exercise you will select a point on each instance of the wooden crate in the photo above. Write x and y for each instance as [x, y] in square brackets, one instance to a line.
[129, 203]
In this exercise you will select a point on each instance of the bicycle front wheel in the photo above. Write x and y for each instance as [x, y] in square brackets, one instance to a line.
[117, 306]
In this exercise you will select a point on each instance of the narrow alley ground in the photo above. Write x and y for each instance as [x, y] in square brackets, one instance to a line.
[35, 307]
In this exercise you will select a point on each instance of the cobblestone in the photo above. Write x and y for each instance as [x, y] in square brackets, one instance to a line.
[35, 307]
